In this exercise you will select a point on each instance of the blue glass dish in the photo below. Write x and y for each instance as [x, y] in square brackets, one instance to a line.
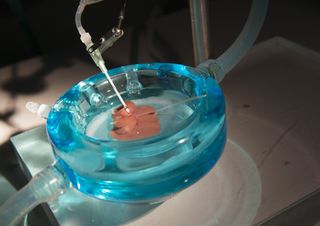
[191, 109]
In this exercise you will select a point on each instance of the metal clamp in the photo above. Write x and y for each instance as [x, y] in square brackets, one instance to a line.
[107, 40]
[104, 42]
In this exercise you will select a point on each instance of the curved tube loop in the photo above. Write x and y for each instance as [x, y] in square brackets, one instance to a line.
[232, 56]
[45, 186]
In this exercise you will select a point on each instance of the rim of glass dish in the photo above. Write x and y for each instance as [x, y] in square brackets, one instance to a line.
[123, 69]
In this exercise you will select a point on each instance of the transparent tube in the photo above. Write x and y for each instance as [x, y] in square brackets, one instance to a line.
[78, 18]
[224, 63]
[45, 186]
[82, 5]
[84, 36]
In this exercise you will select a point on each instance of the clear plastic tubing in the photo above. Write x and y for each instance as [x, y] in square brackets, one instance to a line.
[232, 56]
[45, 186]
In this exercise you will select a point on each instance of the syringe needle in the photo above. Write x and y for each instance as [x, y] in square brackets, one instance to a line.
[104, 70]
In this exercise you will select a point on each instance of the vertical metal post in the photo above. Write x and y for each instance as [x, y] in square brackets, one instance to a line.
[200, 33]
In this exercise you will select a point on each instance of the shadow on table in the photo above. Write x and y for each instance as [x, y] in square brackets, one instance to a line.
[9, 165]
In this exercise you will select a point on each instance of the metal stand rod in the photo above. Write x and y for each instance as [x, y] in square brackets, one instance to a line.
[200, 34]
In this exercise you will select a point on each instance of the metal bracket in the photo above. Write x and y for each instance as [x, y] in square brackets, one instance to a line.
[106, 41]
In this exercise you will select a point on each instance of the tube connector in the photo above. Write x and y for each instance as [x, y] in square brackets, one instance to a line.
[42, 110]
[232, 56]
[214, 68]
[86, 39]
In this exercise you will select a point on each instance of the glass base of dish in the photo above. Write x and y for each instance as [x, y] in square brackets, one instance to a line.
[228, 195]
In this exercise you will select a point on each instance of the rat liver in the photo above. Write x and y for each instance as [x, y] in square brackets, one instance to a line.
[140, 122]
